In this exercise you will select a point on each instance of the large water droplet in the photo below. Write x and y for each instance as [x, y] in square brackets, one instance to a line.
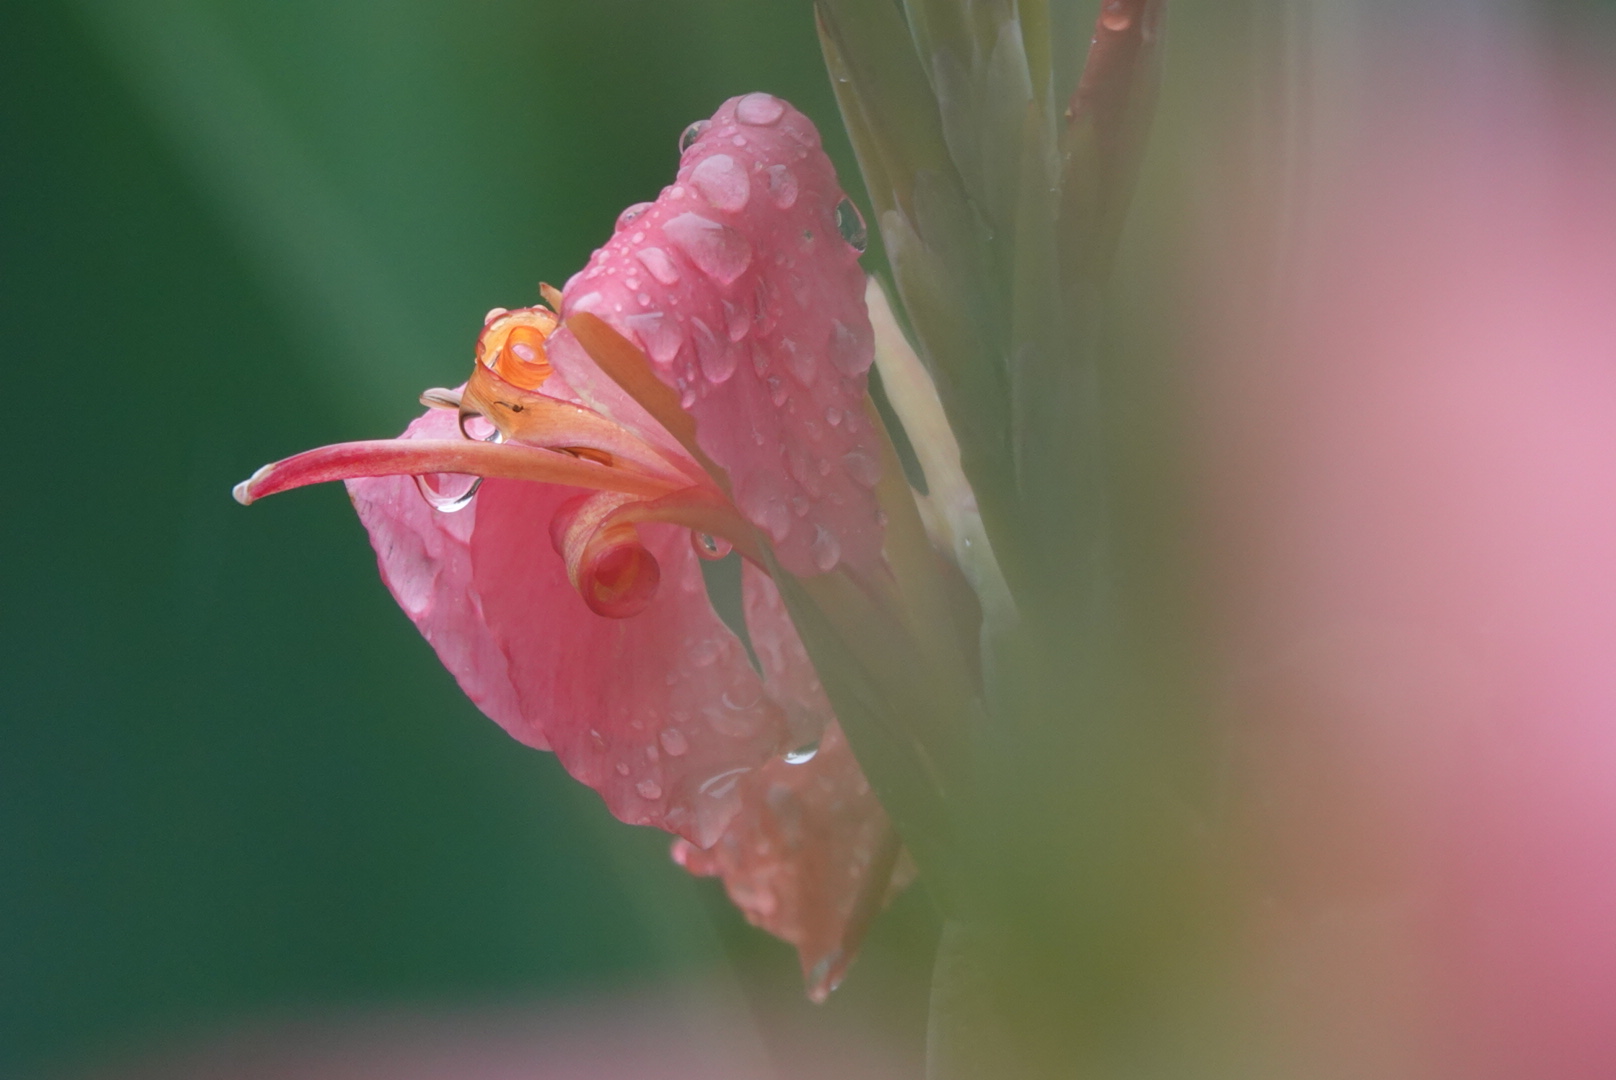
[849, 352]
[448, 492]
[803, 754]
[863, 468]
[632, 214]
[782, 186]
[825, 549]
[659, 334]
[850, 223]
[691, 134]
[759, 110]
[718, 251]
[722, 182]
[717, 358]
[657, 262]
[709, 546]
[674, 742]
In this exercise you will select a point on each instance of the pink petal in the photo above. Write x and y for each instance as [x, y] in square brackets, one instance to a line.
[788, 673]
[661, 713]
[810, 860]
[742, 292]
[425, 560]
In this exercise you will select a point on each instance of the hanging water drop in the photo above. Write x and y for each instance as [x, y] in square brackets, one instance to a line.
[691, 134]
[710, 547]
[633, 213]
[803, 754]
[850, 223]
[448, 492]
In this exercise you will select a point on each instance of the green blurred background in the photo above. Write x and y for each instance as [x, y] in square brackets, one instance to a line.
[234, 782]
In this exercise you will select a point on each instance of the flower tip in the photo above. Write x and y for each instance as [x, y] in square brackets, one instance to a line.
[243, 492]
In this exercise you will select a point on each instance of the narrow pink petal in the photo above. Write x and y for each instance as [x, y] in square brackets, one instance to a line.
[451, 453]
[810, 860]
[661, 713]
[742, 291]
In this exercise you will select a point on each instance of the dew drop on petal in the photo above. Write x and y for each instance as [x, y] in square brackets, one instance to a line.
[825, 549]
[833, 415]
[448, 492]
[718, 251]
[691, 134]
[657, 262]
[622, 768]
[736, 321]
[803, 754]
[777, 390]
[863, 468]
[717, 358]
[659, 334]
[710, 547]
[799, 361]
[782, 184]
[673, 741]
[649, 789]
[759, 110]
[851, 356]
[850, 223]
[632, 214]
[722, 183]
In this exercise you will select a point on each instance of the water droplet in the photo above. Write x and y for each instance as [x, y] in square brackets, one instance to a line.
[825, 549]
[782, 186]
[803, 754]
[632, 214]
[673, 742]
[661, 337]
[705, 652]
[649, 789]
[657, 262]
[718, 251]
[643, 299]
[833, 415]
[760, 360]
[1114, 15]
[850, 223]
[799, 361]
[448, 492]
[691, 134]
[759, 110]
[622, 768]
[777, 390]
[717, 358]
[743, 697]
[863, 468]
[494, 313]
[721, 784]
[709, 546]
[800, 505]
[850, 352]
[722, 183]
[736, 321]
[764, 506]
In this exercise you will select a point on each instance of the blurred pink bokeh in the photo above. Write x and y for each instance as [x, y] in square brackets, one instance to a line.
[1411, 457]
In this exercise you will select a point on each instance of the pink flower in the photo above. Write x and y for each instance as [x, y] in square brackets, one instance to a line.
[700, 386]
